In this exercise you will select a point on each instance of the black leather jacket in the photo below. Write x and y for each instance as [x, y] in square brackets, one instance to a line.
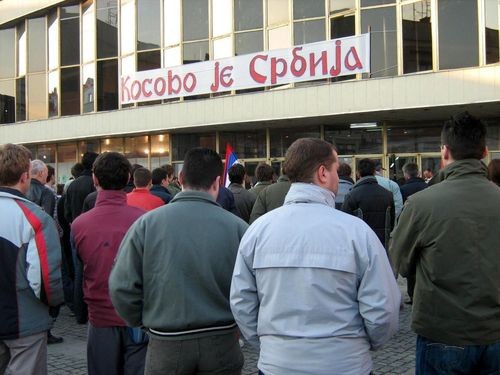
[42, 196]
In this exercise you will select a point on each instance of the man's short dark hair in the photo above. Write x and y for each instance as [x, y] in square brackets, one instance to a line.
[344, 170]
[169, 168]
[465, 137]
[142, 177]
[77, 169]
[264, 172]
[410, 170]
[305, 156]
[112, 170]
[88, 160]
[236, 173]
[201, 168]
[366, 167]
[14, 161]
[158, 175]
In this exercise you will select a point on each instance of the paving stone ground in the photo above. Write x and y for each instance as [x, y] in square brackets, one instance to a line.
[69, 357]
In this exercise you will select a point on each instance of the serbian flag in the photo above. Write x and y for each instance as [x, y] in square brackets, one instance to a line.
[230, 160]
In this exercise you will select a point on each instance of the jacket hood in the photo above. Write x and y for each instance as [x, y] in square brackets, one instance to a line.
[366, 180]
[309, 193]
[460, 168]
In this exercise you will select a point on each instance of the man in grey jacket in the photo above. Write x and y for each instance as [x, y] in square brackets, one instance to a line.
[313, 285]
[173, 275]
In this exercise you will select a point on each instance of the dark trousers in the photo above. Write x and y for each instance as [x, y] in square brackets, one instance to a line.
[112, 351]
[217, 354]
[434, 358]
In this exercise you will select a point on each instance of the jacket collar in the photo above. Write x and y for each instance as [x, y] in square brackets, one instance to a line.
[263, 183]
[114, 197]
[6, 191]
[283, 178]
[366, 180]
[194, 195]
[414, 180]
[460, 168]
[309, 193]
[346, 179]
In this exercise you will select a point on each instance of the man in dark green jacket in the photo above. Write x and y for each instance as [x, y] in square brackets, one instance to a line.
[270, 198]
[173, 274]
[448, 235]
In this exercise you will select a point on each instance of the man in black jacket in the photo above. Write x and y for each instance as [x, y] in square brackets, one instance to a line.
[413, 182]
[79, 189]
[38, 192]
[371, 202]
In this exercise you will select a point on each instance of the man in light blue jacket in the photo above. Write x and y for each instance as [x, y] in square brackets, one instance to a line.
[312, 286]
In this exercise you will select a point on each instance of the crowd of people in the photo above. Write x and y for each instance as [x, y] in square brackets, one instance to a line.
[169, 272]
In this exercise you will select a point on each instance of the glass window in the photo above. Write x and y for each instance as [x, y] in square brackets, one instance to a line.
[66, 158]
[53, 41]
[222, 20]
[491, 11]
[47, 153]
[21, 99]
[223, 47]
[414, 138]
[54, 93]
[172, 57]
[417, 37]
[343, 26]
[277, 12]
[91, 145]
[369, 3]
[280, 38]
[88, 31]
[137, 150]
[7, 53]
[107, 85]
[195, 52]
[248, 42]
[182, 143]
[354, 141]
[493, 134]
[246, 145]
[247, 14]
[7, 101]
[382, 22]
[458, 34]
[148, 60]
[36, 45]
[308, 9]
[21, 50]
[70, 35]
[281, 139]
[128, 33]
[148, 24]
[37, 97]
[340, 6]
[195, 19]
[160, 150]
[107, 28]
[112, 144]
[172, 22]
[309, 31]
[88, 88]
[70, 91]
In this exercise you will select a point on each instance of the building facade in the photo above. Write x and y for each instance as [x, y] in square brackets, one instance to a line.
[61, 62]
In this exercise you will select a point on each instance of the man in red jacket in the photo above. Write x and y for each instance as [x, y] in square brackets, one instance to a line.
[141, 196]
[97, 234]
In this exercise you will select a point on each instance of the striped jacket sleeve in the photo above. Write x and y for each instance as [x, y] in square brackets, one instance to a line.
[43, 257]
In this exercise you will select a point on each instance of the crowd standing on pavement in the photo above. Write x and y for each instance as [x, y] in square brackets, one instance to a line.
[168, 271]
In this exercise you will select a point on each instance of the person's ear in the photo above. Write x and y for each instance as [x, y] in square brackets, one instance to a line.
[445, 153]
[181, 178]
[485, 152]
[96, 181]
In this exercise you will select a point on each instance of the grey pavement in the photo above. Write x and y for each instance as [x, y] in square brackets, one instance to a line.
[396, 358]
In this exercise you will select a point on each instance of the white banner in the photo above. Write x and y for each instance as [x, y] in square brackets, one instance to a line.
[331, 58]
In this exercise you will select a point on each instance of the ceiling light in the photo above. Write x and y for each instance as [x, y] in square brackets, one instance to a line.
[363, 125]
